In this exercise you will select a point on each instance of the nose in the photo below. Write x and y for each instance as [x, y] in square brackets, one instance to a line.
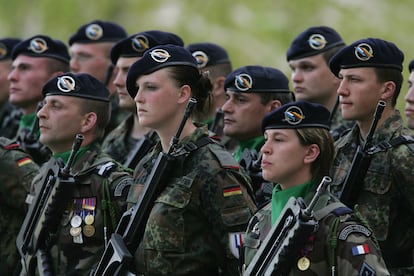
[296, 76]
[12, 75]
[227, 107]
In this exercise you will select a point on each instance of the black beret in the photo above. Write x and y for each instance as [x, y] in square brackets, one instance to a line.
[313, 41]
[6, 47]
[135, 45]
[158, 57]
[256, 78]
[208, 54]
[77, 85]
[42, 46]
[98, 31]
[411, 65]
[300, 114]
[368, 52]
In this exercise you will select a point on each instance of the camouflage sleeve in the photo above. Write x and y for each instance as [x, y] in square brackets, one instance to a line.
[357, 252]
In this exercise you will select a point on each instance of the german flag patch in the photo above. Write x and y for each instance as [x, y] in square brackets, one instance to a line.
[24, 161]
[232, 190]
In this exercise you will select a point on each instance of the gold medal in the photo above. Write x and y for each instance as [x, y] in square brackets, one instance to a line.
[303, 263]
[75, 231]
[88, 230]
[89, 219]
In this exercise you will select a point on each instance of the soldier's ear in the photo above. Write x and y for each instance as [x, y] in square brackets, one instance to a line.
[88, 122]
[312, 153]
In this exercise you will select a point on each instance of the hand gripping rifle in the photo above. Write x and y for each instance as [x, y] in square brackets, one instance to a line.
[286, 237]
[38, 231]
[118, 254]
[360, 163]
[141, 148]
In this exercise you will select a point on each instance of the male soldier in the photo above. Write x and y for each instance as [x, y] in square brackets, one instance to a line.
[35, 61]
[16, 173]
[409, 98]
[308, 57]
[251, 93]
[90, 47]
[121, 143]
[9, 114]
[370, 72]
[79, 104]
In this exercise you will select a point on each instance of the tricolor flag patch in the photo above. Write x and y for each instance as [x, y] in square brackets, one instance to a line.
[236, 242]
[233, 190]
[24, 161]
[361, 249]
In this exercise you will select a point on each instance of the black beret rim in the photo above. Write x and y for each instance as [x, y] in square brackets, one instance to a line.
[252, 90]
[335, 68]
[296, 127]
[23, 53]
[316, 52]
[115, 58]
[52, 93]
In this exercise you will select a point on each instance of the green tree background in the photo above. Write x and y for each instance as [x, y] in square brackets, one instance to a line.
[253, 32]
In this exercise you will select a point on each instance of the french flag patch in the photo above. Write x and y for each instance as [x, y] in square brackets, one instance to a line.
[360, 249]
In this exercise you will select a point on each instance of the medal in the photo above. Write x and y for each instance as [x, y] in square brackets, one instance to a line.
[76, 221]
[88, 230]
[75, 231]
[89, 219]
[303, 263]
[78, 239]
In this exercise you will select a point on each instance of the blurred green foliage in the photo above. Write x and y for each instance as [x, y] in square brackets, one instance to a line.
[253, 32]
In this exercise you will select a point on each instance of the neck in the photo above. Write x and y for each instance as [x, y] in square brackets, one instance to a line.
[138, 130]
[166, 135]
[365, 125]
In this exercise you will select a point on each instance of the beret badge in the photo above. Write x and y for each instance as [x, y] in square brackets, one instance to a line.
[3, 50]
[94, 32]
[66, 84]
[243, 82]
[364, 52]
[317, 41]
[293, 115]
[202, 58]
[140, 43]
[38, 45]
[160, 55]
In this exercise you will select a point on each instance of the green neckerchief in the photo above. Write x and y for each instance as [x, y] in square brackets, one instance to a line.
[255, 143]
[65, 155]
[280, 197]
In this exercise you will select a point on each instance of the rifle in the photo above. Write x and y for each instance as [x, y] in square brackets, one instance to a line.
[30, 142]
[360, 163]
[38, 231]
[116, 259]
[216, 126]
[287, 236]
[140, 149]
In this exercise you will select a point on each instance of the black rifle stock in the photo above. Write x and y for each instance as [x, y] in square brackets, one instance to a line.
[40, 225]
[217, 123]
[287, 235]
[141, 148]
[118, 254]
[354, 180]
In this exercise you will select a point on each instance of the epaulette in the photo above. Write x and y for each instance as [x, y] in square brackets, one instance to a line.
[224, 158]
[105, 168]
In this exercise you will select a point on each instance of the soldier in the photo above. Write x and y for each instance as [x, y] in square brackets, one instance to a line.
[121, 143]
[35, 61]
[9, 114]
[297, 154]
[17, 170]
[90, 47]
[79, 104]
[308, 56]
[206, 201]
[409, 98]
[370, 72]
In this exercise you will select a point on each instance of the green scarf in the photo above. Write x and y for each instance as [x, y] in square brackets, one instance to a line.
[255, 143]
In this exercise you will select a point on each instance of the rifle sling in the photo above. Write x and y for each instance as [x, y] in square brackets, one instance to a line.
[385, 145]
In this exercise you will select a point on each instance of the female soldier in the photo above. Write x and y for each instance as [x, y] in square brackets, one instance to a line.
[297, 154]
[206, 200]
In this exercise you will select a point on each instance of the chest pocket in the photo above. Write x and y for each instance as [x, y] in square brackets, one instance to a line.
[166, 223]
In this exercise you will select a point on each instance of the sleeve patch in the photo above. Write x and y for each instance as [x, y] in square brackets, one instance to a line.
[232, 190]
[366, 270]
[354, 228]
[361, 249]
[24, 161]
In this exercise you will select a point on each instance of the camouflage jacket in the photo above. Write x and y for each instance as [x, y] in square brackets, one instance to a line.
[386, 199]
[341, 242]
[9, 120]
[194, 221]
[97, 204]
[16, 173]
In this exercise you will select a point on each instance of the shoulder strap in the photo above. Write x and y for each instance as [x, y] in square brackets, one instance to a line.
[384, 145]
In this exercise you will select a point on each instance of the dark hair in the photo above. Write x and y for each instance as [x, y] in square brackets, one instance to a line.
[283, 97]
[200, 86]
[321, 137]
[390, 74]
[327, 55]
[218, 70]
[55, 65]
[102, 111]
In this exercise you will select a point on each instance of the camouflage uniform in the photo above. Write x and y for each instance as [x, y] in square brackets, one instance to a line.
[9, 120]
[102, 186]
[203, 207]
[320, 248]
[117, 114]
[16, 173]
[386, 197]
